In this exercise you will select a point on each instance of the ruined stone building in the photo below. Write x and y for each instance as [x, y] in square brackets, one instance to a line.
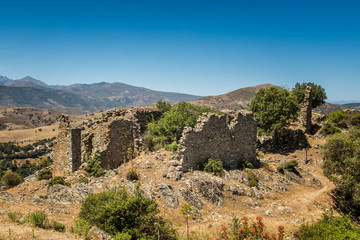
[117, 138]
[229, 137]
[305, 113]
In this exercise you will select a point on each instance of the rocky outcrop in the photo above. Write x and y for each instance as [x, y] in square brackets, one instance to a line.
[167, 194]
[191, 198]
[229, 137]
[65, 195]
[210, 189]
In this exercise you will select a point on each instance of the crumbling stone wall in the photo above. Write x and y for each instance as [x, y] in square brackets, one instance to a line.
[67, 151]
[306, 111]
[116, 141]
[229, 137]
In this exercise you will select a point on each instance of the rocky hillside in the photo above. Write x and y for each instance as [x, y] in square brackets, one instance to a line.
[235, 100]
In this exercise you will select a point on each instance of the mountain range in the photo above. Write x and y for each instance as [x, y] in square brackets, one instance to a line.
[80, 98]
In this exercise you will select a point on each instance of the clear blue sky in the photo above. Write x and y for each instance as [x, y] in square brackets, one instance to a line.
[200, 47]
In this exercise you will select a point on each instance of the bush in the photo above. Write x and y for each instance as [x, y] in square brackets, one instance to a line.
[172, 147]
[272, 108]
[329, 128]
[132, 175]
[341, 165]
[93, 166]
[11, 179]
[39, 219]
[242, 230]
[253, 179]
[14, 216]
[82, 228]
[116, 212]
[44, 174]
[329, 228]
[169, 127]
[337, 116]
[58, 180]
[82, 179]
[214, 166]
[290, 166]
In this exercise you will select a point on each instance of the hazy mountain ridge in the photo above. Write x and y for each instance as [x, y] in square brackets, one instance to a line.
[80, 98]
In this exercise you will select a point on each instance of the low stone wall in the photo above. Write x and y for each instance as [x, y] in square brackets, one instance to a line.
[229, 137]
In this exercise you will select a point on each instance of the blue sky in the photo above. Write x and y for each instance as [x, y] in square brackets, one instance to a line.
[200, 47]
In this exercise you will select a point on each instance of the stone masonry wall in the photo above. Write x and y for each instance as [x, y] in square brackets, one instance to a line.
[67, 151]
[115, 141]
[229, 138]
[306, 111]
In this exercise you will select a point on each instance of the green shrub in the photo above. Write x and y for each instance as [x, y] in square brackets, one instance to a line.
[11, 179]
[337, 116]
[214, 166]
[172, 147]
[44, 174]
[82, 179]
[82, 228]
[116, 212]
[341, 165]
[169, 127]
[329, 228]
[93, 166]
[253, 179]
[132, 175]
[58, 180]
[14, 216]
[329, 128]
[163, 106]
[39, 219]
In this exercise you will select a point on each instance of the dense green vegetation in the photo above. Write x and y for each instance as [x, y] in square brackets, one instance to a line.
[329, 228]
[39, 219]
[318, 93]
[273, 108]
[44, 175]
[125, 216]
[289, 166]
[93, 166]
[341, 165]
[169, 127]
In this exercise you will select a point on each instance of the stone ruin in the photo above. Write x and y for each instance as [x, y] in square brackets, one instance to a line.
[305, 113]
[67, 151]
[229, 137]
[117, 138]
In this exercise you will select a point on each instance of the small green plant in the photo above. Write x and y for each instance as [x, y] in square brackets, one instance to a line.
[14, 216]
[11, 179]
[214, 166]
[82, 179]
[188, 211]
[253, 179]
[132, 175]
[172, 147]
[44, 174]
[82, 228]
[93, 166]
[42, 196]
[58, 180]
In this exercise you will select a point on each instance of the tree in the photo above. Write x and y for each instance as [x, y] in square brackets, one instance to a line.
[272, 108]
[341, 165]
[318, 93]
[189, 213]
[163, 105]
